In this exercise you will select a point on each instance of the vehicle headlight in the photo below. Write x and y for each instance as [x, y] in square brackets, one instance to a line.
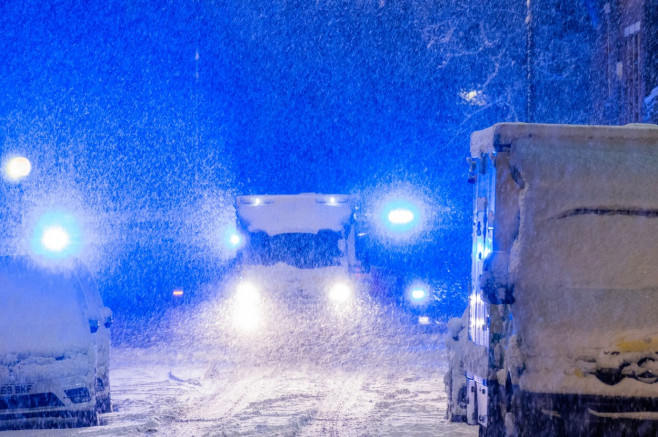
[247, 311]
[247, 293]
[418, 294]
[341, 292]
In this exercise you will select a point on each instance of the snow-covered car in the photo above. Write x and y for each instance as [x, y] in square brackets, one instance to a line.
[103, 315]
[54, 346]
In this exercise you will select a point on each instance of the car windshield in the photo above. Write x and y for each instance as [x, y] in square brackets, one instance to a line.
[296, 249]
[42, 312]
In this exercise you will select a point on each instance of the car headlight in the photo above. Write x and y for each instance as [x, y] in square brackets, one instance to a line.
[247, 311]
[341, 292]
[418, 294]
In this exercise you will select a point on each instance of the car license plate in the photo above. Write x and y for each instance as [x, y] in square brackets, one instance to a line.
[15, 389]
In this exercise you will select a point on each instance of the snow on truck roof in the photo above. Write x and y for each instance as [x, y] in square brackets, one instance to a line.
[504, 134]
[294, 213]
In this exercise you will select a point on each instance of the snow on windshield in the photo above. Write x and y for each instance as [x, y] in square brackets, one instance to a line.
[300, 250]
[43, 312]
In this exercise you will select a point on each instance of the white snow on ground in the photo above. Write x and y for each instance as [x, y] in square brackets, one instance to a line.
[393, 387]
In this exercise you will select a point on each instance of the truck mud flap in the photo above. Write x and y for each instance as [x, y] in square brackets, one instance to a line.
[482, 400]
[471, 407]
[478, 403]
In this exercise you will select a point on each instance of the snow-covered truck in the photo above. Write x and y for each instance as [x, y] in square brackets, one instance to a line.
[562, 327]
[297, 261]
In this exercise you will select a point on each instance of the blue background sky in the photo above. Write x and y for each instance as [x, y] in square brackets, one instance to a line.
[153, 104]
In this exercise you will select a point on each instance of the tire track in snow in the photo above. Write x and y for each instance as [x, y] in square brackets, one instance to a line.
[223, 402]
[341, 409]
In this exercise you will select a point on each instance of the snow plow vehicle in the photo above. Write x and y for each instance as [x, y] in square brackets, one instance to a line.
[296, 264]
[561, 333]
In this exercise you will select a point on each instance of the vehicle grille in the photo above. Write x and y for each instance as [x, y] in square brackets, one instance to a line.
[36, 400]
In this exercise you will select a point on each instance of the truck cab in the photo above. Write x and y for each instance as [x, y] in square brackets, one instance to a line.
[297, 263]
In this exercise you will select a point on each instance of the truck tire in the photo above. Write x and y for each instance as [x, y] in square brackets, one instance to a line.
[87, 418]
[452, 402]
[452, 417]
[104, 404]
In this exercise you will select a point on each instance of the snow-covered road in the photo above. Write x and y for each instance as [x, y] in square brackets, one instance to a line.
[392, 388]
[152, 397]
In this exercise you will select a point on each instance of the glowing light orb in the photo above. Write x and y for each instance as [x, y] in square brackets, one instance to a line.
[418, 294]
[178, 293]
[17, 168]
[56, 235]
[55, 238]
[401, 216]
[234, 239]
[340, 292]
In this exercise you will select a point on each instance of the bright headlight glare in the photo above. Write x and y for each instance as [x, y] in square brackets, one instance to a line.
[341, 292]
[247, 293]
[247, 311]
[247, 319]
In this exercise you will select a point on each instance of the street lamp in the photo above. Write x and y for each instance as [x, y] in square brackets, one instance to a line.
[17, 168]
[400, 216]
[57, 235]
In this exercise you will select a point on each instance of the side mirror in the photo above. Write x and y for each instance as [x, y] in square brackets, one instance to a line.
[93, 326]
[494, 281]
[106, 316]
